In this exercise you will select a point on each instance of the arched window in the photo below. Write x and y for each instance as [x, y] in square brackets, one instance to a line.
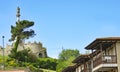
[40, 54]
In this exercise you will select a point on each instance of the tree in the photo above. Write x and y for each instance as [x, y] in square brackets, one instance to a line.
[21, 32]
[67, 53]
[63, 64]
[65, 58]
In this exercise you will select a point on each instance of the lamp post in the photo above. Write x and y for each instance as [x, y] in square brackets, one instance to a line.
[3, 54]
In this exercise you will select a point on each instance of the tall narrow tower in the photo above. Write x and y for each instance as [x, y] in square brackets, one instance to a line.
[18, 14]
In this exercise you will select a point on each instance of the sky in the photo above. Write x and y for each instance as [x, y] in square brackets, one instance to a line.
[68, 24]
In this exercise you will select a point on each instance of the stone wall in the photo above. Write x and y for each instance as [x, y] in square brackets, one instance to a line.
[35, 48]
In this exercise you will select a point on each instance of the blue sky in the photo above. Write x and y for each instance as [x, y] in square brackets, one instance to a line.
[63, 23]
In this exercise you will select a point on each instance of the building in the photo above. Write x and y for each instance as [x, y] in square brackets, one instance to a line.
[36, 48]
[104, 56]
[83, 63]
[105, 53]
[69, 69]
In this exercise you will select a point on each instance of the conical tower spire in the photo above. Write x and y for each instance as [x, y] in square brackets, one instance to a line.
[18, 14]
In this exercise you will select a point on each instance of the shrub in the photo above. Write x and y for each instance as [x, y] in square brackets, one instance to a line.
[34, 69]
[46, 63]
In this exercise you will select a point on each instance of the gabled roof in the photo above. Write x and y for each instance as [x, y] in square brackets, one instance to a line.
[81, 58]
[105, 42]
[69, 69]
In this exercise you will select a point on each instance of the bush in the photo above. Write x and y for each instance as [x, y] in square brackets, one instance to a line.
[46, 63]
[11, 62]
[34, 69]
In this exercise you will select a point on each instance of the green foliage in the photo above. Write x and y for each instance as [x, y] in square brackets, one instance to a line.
[20, 55]
[21, 32]
[39, 65]
[63, 64]
[65, 59]
[34, 69]
[67, 53]
[12, 54]
[11, 62]
[46, 63]
[24, 56]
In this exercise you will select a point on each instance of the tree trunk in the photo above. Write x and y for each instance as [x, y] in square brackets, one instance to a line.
[16, 45]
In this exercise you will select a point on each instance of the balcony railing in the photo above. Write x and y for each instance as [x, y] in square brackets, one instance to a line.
[107, 59]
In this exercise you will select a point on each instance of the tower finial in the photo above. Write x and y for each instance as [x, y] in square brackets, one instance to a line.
[18, 14]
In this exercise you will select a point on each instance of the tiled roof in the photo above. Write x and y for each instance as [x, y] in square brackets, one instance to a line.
[81, 58]
[105, 41]
[69, 69]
